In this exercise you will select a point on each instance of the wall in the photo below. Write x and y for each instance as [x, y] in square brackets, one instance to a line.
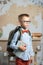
[9, 20]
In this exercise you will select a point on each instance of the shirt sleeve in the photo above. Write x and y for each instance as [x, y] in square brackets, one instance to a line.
[13, 42]
[31, 49]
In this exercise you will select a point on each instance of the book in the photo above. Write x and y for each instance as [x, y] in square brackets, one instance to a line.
[19, 52]
[20, 43]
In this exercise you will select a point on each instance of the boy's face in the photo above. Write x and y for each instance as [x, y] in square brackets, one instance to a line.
[25, 22]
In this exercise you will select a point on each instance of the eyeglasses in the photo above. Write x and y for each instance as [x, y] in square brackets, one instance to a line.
[26, 21]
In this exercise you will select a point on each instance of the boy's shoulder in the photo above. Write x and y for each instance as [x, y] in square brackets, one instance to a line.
[16, 29]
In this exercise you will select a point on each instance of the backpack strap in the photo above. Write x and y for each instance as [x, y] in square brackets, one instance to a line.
[19, 37]
[29, 33]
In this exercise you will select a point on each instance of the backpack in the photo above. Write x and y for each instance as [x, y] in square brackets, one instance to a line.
[11, 35]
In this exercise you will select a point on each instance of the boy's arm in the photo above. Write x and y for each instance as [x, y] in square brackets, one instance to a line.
[31, 52]
[13, 42]
[32, 55]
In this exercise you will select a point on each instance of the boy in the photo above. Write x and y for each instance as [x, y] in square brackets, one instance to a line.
[26, 49]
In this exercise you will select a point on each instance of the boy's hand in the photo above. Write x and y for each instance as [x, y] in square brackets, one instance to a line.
[22, 48]
[31, 59]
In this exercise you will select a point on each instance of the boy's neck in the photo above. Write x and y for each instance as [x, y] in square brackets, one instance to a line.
[23, 27]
